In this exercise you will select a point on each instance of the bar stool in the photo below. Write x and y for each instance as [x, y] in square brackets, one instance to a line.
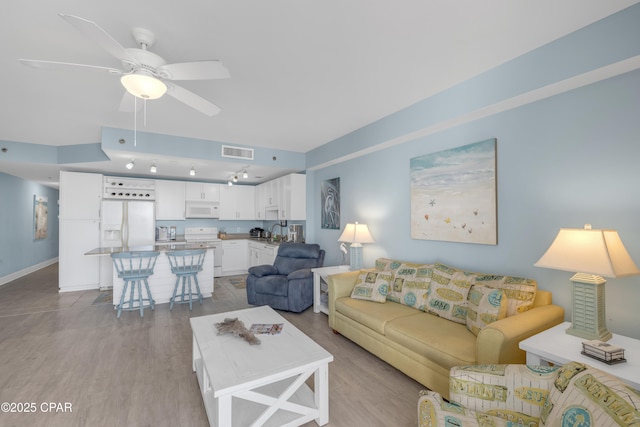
[186, 264]
[135, 268]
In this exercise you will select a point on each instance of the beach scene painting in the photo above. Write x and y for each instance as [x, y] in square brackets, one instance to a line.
[453, 195]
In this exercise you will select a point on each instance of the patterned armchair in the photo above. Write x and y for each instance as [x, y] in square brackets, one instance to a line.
[288, 283]
[575, 395]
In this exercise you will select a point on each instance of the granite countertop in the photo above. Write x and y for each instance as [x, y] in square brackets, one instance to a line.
[150, 248]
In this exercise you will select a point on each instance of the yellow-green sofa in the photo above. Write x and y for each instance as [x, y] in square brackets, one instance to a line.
[424, 319]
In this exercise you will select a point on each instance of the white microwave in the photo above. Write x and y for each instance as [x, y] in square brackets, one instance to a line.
[202, 210]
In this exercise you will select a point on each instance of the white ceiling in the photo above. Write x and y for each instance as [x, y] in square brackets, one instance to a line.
[303, 72]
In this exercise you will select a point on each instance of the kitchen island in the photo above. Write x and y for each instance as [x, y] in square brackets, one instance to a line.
[163, 280]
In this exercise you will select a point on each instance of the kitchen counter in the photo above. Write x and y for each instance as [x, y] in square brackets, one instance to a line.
[158, 247]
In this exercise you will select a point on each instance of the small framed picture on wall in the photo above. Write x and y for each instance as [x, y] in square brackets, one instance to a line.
[40, 216]
[330, 203]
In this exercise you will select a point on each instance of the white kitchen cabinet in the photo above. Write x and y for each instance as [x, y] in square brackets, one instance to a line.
[170, 200]
[267, 200]
[293, 197]
[79, 231]
[234, 257]
[237, 202]
[261, 253]
[267, 254]
[80, 195]
[77, 271]
[202, 192]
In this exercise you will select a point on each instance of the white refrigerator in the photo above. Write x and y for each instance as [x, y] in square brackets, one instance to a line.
[128, 223]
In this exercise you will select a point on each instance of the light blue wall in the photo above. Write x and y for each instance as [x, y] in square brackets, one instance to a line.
[18, 249]
[562, 161]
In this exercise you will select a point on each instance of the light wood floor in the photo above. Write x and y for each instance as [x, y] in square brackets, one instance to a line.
[136, 371]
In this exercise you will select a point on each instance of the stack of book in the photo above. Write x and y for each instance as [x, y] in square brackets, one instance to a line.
[604, 352]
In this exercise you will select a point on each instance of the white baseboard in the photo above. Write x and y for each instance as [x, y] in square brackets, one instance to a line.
[18, 274]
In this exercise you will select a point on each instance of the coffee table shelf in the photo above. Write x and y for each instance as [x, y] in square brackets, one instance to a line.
[260, 385]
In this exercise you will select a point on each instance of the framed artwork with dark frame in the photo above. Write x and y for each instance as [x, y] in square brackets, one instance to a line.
[330, 204]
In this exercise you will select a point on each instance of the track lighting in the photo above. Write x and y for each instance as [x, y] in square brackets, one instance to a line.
[235, 178]
[245, 174]
[229, 183]
[130, 165]
[153, 168]
[192, 172]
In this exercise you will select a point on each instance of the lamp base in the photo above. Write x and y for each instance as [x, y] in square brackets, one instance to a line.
[589, 318]
[355, 256]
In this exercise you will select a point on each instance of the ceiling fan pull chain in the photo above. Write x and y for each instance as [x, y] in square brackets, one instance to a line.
[135, 120]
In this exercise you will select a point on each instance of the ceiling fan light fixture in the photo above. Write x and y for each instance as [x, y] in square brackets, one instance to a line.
[143, 86]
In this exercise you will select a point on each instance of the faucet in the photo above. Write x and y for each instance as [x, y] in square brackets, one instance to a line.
[280, 224]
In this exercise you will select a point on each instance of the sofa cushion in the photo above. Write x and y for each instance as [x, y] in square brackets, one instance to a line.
[444, 342]
[592, 396]
[485, 305]
[413, 281]
[448, 294]
[370, 314]
[372, 285]
[520, 292]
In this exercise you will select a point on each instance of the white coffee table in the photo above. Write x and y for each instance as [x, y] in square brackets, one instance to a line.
[556, 346]
[256, 385]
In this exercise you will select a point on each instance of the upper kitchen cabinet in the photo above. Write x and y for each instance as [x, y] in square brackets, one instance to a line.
[80, 195]
[202, 192]
[170, 200]
[237, 202]
[293, 197]
[267, 200]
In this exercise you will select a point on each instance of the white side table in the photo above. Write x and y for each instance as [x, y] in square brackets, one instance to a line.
[556, 346]
[320, 285]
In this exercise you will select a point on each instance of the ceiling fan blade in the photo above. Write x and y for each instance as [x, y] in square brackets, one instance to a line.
[129, 103]
[94, 32]
[197, 70]
[35, 63]
[192, 100]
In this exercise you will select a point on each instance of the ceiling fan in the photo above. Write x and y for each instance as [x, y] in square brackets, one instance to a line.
[144, 74]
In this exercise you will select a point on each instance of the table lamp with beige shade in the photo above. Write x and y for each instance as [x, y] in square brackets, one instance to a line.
[593, 254]
[356, 234]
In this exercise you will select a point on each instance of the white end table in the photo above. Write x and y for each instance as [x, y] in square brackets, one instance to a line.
[320, 276]
[556, 346]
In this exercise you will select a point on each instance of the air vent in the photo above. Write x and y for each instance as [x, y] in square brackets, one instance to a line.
[237, 152]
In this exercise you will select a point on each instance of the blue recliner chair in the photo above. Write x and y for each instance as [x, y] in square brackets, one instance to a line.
[288, 283]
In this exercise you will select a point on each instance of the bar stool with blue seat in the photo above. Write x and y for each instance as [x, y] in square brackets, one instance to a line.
[186, 264]
[135, 268]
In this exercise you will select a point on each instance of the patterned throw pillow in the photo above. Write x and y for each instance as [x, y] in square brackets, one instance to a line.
[412, 282]
[435, 411]
[585, 396]
[387, 264]
[515, 393]
[390, 265]
[447, 297]
[372, 285]
[485, 305]
[520, 292]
